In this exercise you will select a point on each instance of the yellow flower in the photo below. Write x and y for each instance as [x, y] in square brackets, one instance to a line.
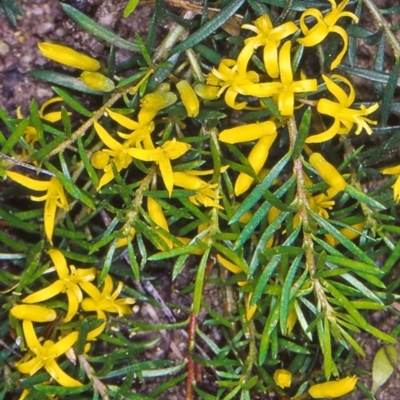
[33, 313]
[230, 79]
[333, 389]
[205, 191]
[344, 117]
[247, 133]
[118, 152]
[30, 133]
[321, 202]
[69, 282]
[396, 186]
[285, 89]
[189, 98]
[67, 56]
[283, 378]
[53, 198]
[257, 158]
[97, 81]
[106, 300]
[328, 172]
[270, 38]
[45, 355]
[325, 25]
[162, 155]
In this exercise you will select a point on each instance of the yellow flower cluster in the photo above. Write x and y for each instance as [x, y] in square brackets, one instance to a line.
[128, 137]
[71, 281]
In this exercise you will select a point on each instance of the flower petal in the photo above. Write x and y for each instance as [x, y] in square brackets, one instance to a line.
[106, 138]
[123, 120]
[59, 375]
[333, 389]
[29, 367]
[247, 133]
[328, 172]
[44, 294]
[59, 262]
[64, 344]
[29, 183]
[30, 337]
[33, 313]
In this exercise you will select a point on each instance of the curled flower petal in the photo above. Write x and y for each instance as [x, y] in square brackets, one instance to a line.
[333, 389]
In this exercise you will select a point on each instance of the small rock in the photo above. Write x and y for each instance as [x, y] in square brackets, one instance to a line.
[4, 48]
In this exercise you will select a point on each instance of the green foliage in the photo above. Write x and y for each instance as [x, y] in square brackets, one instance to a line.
[279, 274]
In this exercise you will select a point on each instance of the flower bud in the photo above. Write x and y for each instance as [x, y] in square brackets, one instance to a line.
[328, 172]
[100, 160]
[283, 378]
[97, 81]
[206, 92]
[189, 98]
[67, 56]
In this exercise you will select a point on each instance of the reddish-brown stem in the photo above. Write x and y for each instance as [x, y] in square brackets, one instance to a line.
[191, 378]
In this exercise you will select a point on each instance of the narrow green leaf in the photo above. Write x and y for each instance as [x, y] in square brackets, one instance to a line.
[15, 136]
[64, 80]
[107, 262]
[199, 283]
[68, 184]
[66, 120]
[257, 192]
[97, 30]
[74, 104]
[86, 162]
[143, 50]
[346, 304]
[389, 92]
[341, 238]
[174, 252]
[327, 349]
[220, 18]
[232, 256]
[130, 7]
[286, 289]
[354, 265]
[369, 74]
[266, 274]
[133, 261]
[364, 198]
[304, 128]
[61, 390]
[269, 326]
